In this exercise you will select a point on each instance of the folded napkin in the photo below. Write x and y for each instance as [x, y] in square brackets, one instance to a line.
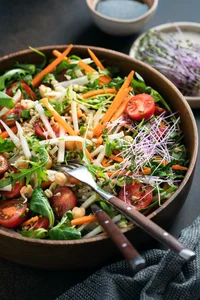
[166, 276]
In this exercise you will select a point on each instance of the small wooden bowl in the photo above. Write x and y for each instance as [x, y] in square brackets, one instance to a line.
[98, 251]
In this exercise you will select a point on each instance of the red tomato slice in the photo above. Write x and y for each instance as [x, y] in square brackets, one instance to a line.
[159, 110]
[40, 129]
[3, 164]
[136, 194]
[15, 192]
[140, 107]
[62, 200]
[43, 222]
[12, 213]
[12, 116]
[26, 90]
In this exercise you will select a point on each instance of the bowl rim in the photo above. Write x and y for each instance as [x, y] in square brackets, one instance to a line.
[9, 233]
[127, 21]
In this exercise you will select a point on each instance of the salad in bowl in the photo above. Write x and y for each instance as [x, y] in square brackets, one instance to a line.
[74, 108]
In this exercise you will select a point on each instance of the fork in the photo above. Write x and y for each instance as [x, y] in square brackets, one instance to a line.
[135, 260]
[80, 172]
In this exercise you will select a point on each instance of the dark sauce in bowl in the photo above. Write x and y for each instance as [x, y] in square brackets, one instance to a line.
[122, 9]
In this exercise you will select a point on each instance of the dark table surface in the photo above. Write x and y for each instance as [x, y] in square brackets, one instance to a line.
[40, 23]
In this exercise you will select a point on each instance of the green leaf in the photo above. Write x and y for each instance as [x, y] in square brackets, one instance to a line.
[40, 204]
[63, 230]
[6, 145]
[157, 97]
[8, 75]
[6, 101]
[48, 78]
[107, 209]
[69, 233]
[5, 182]
[30, 68]
[38, 164]
[39, 233]
[41, 66]
[25, 114]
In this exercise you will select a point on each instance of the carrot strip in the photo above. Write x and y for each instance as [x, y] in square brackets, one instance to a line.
[145, 171]
[120, 110]
[57, 117]
[83, 220]
[57, 54]
[4, 134]
[89, 69]
[73, 180]
[31, 220]
[51, 66]
[98, 63]
[99, 141]
[105, 163]
[179, 168]
[98, 92]
[96, 60]
[116, 158]
[79, 113]
[121, 95]
[45, 184]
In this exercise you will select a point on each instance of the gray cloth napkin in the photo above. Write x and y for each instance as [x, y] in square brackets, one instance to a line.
[166, 276]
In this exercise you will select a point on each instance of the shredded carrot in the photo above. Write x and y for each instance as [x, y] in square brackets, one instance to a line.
[79, 113]
[105, 163]
[99, 141]
[116, 158]
[98, 63]
[121, 95]
[98, 92]
[179, 168]
[83, 220]
[50, 67]
[120, 109]
[89, 69]
[73, 180]
[174, 167]
[57, 117]
[45, 184]
[145, 171]
[121, 173]
[30, 221]
[57, 54]
[4, 134]
[96, 60]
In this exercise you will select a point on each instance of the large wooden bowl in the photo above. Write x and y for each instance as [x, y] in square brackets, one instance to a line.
[98, 251]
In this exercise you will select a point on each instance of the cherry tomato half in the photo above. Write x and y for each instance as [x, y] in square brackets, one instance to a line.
[140, 107]
[3, 164]
[26, 90]
[43, 222]
[12, 115]
[12, 213]
[62, 200]
[40, 129]
[15, 192]
[136, 194]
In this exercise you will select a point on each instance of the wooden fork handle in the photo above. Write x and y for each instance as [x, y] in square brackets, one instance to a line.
[151, 228]
[130, 253]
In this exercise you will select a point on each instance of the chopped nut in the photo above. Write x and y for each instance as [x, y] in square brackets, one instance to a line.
[78, 212]
[60, 178]
[48, 193]
[26, 191]
[21, 163]
[49, 163]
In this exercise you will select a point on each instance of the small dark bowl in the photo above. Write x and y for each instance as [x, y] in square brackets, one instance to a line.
[98, 251]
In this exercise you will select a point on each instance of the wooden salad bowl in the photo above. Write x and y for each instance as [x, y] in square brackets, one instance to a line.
[98, 251]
